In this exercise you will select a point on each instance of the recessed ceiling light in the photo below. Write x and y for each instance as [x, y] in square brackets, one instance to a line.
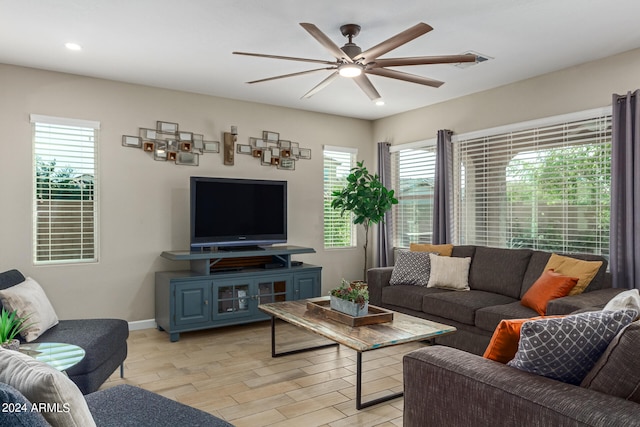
[379, 102]
[73, 46]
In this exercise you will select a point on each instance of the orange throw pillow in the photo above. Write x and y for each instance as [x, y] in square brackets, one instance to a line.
[505, 339]
[550, 285]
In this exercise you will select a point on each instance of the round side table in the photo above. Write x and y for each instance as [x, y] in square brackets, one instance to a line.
[61, 356]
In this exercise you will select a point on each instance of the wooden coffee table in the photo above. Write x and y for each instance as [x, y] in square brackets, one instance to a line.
[403, 329]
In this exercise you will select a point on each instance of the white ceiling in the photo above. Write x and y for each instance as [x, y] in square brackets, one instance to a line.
[187, 44]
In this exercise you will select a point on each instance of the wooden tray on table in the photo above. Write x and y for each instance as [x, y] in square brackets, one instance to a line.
[320, 306]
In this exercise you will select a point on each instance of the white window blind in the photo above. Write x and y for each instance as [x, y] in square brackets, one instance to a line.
[413, 174]
[65, 190]
[339, 231]
[544, 187]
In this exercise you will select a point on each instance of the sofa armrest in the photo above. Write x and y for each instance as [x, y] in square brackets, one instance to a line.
[594, 299]
[378, 278]
[126, 405]
[447, 386]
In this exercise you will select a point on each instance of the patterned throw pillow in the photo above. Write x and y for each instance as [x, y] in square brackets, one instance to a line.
[566, 349]
[412, 268]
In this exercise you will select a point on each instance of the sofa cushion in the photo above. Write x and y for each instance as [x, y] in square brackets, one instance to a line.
[29, 301]
[550, 285]
[585, 271]
[566, 349]
[40, 383]
[411, 268]
[498, 270]
[407, 296]
[17, 411]
[488, 318]
[539, 260]
[616, 372]
[463, 251]
[449, 273]
[442, 250]
[461, 306]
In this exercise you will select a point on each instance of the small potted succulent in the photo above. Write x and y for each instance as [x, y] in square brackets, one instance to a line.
[10, 326]
[350, 298]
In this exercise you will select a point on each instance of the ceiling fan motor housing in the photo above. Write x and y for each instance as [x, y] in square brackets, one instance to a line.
[352, 50]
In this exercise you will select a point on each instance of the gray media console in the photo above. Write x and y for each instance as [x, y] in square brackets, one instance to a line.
[225, 287]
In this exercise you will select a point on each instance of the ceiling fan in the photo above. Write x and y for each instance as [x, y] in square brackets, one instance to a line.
[351, 61]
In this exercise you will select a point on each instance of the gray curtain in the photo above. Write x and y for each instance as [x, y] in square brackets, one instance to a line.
[625, 191]
[384, 253]
[442, 190]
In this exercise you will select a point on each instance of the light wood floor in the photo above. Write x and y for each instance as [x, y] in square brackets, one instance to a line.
[229, 373]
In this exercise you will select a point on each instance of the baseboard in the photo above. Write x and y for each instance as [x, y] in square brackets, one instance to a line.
[142, 324]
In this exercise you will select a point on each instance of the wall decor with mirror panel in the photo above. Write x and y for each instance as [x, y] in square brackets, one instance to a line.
[273, 151]
[168, 143]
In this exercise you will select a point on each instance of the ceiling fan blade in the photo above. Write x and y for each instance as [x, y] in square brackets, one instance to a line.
[289, 58]
[422, 60]
[321, 85]
[399, 75]
[367, 87]
[326, 42]
[291, 75]
[393, 42]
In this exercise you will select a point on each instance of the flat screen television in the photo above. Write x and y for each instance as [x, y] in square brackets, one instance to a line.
[235, 214]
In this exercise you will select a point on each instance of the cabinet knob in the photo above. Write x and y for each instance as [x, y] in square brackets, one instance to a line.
[206, 302]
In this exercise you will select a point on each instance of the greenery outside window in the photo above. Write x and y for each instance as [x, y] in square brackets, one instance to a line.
[413, 174]
[339, 231]
[542, 185]
[65, 190]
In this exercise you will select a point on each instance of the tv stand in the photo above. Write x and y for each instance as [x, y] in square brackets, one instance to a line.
[225, 287]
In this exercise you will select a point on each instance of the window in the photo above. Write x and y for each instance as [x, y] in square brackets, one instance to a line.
[339, 230]
[413, 174]
[65, 190]
[543, 186]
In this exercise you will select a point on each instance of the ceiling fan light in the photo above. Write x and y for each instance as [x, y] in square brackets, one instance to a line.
[350, 70]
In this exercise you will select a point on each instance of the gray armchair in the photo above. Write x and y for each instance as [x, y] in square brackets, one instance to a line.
[103, 340]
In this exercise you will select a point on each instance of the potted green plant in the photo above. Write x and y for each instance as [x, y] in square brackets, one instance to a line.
[350, 298]
[365, 197]
[10, 326]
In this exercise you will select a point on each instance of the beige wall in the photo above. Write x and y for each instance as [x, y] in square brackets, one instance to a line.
[144, 203]
[570, 90]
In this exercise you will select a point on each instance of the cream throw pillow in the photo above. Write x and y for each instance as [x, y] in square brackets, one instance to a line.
[42, 384]
[624, 300]
[449, 273]
[28, 299]
[585, 271]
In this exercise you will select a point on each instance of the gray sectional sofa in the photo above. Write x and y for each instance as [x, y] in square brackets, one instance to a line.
[447, 387]
[498, 279]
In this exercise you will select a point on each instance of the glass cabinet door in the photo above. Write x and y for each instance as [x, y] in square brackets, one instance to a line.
[274, 290]
[233, 298]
